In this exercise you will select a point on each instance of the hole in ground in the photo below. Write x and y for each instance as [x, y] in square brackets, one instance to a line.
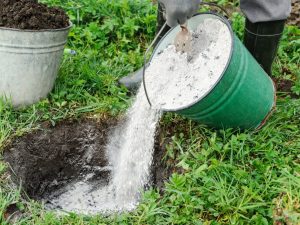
[50, 160]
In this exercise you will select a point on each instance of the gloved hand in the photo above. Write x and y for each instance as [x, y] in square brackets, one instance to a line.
[178, 11]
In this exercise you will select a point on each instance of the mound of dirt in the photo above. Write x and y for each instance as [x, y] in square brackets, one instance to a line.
[31, 15]
[46, 161]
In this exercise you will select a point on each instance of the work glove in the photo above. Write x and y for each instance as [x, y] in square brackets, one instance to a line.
[178, 11]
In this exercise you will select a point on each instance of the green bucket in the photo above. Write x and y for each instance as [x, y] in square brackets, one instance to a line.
[244, 95]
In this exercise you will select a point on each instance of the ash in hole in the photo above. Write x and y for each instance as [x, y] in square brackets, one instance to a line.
[66, 166]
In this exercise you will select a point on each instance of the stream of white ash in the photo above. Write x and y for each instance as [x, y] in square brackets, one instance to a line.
[131, 150]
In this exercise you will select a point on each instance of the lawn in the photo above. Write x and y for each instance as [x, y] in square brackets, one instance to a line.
[220, 176]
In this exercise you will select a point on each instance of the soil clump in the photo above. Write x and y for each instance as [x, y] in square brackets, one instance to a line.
[31, 15]
[285, 86]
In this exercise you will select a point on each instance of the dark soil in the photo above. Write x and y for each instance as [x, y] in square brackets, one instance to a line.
[160, 171]
[294, 18]
[49, 159]
[285, 87]
[31, 15]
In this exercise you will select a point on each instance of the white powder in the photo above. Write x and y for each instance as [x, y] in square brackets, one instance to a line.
[173, 81]
[182, 79]
[84, 197]
[131, 151]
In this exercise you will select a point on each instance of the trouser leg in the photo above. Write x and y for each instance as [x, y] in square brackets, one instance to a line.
[266, 10]
[265, 21]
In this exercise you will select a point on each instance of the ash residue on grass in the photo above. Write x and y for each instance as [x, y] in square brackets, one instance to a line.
[54, 160]
[29, 14]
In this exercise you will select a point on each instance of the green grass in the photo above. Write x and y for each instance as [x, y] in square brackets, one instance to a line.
[224, 176]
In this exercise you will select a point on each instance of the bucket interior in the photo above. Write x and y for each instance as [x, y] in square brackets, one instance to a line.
[193, 24]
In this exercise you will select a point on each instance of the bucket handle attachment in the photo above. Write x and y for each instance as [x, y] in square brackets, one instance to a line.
[157, 36]
[145, 61]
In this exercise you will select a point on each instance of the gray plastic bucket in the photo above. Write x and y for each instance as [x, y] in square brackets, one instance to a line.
[29, 63]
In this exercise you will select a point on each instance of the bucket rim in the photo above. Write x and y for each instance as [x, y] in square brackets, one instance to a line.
[38, 31]
[226, 21]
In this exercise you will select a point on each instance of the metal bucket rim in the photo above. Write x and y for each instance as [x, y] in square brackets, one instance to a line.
[223, 19]
[38, 31]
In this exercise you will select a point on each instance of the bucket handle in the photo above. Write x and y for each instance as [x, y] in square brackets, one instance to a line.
[156, 37]
[145, 60]
[218, 6]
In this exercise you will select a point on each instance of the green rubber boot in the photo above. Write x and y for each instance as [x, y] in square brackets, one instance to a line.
[262, 40]
[133, 80]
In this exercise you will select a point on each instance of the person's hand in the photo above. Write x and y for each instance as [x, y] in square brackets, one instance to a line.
[178, 11]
